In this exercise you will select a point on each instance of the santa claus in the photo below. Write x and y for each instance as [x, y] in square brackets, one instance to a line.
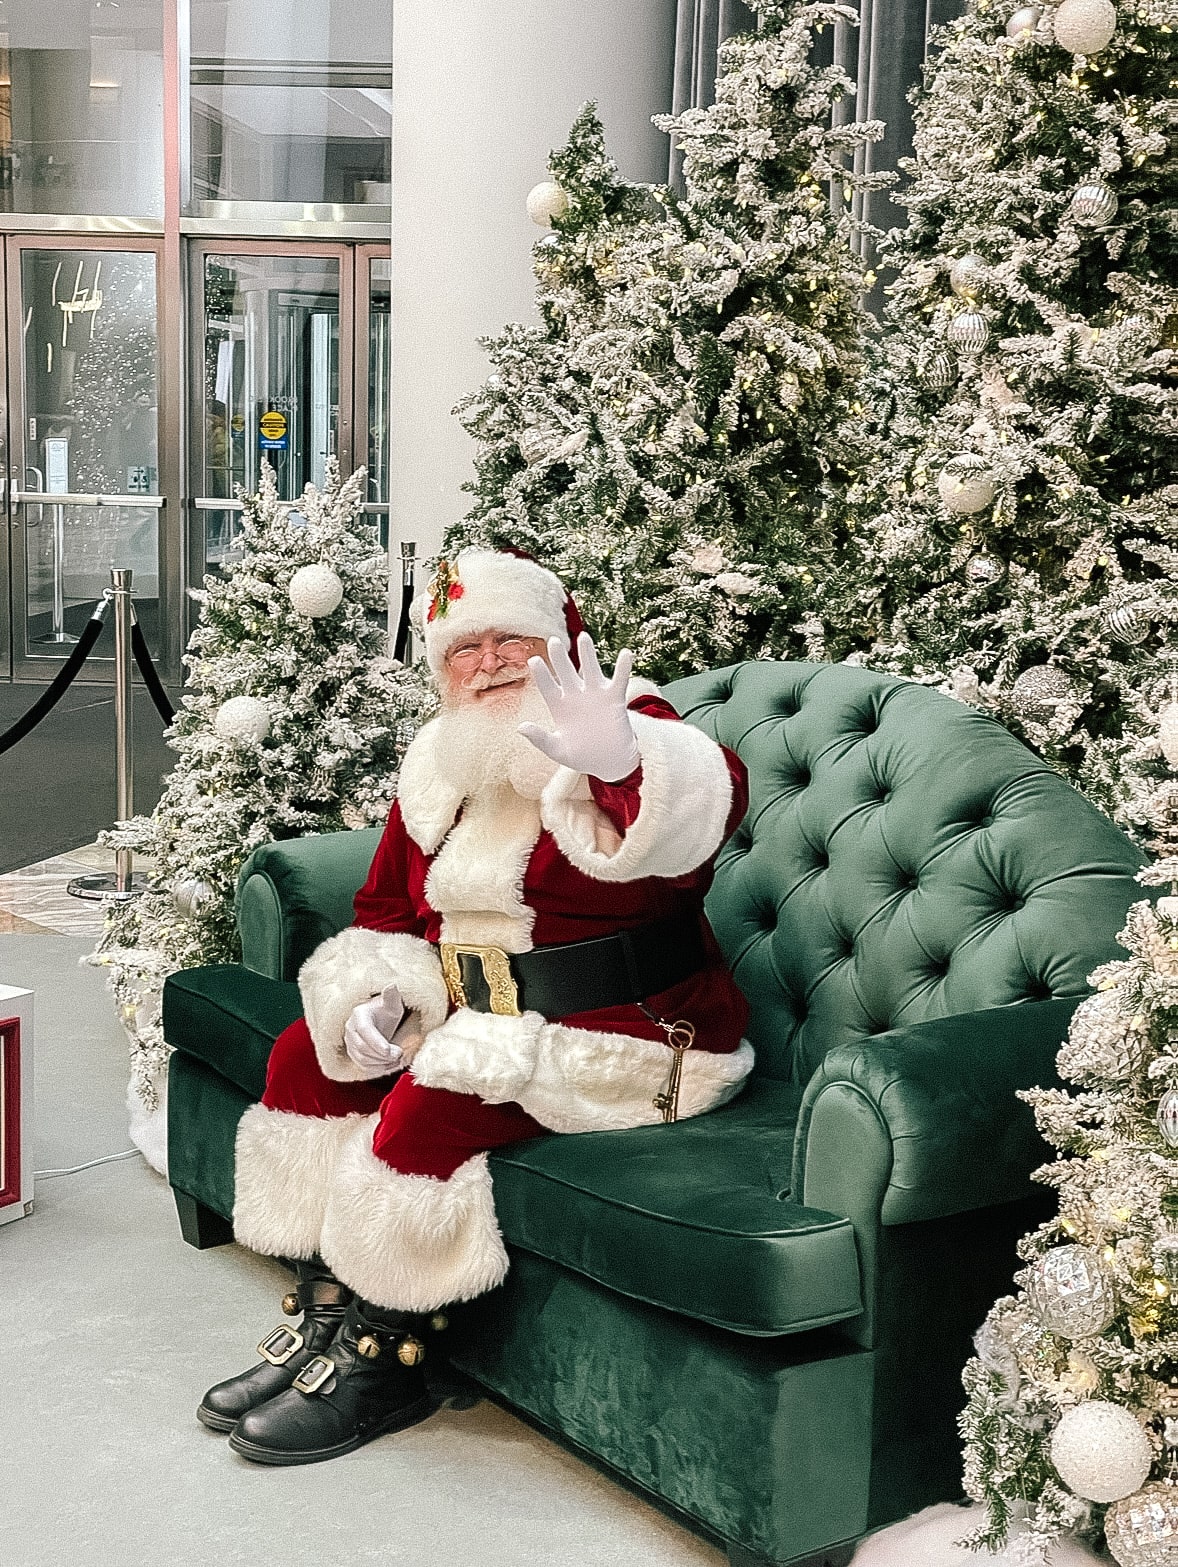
[530, 955]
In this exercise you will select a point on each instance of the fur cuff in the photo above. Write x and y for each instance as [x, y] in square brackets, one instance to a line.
[285, 1165]
[356, 965]
[686, 798]
[412, 1242]
[481, 1053]
[596, 1082]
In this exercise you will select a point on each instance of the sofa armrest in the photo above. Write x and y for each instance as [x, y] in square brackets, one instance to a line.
[923, 1122]
[295, 893]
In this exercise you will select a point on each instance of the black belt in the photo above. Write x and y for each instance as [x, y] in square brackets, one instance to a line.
[575, 976]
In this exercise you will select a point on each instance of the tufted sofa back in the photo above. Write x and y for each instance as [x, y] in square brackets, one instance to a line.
[903, 858]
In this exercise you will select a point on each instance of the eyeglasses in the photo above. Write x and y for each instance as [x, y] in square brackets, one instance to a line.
[467, 656]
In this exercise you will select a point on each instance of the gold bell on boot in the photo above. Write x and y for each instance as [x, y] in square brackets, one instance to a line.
[290, 1305]
[368, 1347]
[410, 1351]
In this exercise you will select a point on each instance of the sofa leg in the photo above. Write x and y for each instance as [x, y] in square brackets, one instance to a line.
[200, 1226]
[832, 1556]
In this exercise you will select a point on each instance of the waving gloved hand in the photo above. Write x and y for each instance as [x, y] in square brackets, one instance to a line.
[593, 731]
[368, 1033]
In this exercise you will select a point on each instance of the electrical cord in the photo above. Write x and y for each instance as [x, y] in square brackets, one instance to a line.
[75, 1169]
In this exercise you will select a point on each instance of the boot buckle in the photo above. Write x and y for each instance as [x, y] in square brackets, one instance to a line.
[314, 1374]
[279, 1346]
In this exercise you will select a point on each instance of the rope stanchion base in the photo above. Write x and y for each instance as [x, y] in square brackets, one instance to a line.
[105, 884]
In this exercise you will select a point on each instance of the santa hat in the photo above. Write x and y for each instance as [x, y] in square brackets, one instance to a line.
[493, 590]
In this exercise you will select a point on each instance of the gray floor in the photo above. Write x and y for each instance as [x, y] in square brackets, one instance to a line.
[110, 1328]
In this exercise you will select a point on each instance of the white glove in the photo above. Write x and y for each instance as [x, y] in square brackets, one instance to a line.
[369, 1031]
[593, 733]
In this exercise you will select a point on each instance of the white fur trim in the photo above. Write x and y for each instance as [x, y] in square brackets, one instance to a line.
[429, 803]
[356, 965]
[481, 1053]
[499, 593]
[476, 882]
[686, 797]
[284, 1170]
[572, 1079]
[411, 1242]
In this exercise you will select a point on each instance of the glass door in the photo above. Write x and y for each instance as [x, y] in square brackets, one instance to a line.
[373, 375]
[82, 338]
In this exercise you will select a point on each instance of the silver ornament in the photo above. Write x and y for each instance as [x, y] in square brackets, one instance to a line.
[190, 896]
[966, 274]
[534, 444]
[1038, 691]
[983, 570]
[1094, 203]
[969, 330]
[1023, 22]
[1084, 26]
[1142, 1529]
[966, 484]
[939, 371]
[1125, 624]
[1072, 1292]
[1168, 1117]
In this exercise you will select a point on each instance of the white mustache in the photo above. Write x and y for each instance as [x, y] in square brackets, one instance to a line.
[506, 676]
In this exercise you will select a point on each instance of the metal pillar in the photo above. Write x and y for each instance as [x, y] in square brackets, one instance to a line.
[58, 636]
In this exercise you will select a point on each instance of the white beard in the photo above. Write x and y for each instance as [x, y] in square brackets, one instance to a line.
[478, 748]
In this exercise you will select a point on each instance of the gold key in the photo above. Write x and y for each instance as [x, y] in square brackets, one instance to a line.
[680, 1037]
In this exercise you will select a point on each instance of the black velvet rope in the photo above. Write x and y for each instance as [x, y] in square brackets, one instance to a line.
[57, 687]
[151, 679]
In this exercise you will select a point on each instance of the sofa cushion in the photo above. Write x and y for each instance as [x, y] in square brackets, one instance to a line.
[694, 1217]
[229, 1017]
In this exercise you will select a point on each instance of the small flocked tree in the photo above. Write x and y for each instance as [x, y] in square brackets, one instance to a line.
[1017, 529]
[664, 439]
[295, 722]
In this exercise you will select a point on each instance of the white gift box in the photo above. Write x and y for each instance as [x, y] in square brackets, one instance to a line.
[16, 1103]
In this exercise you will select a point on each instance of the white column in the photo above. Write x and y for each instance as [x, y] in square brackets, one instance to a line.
[482, 91]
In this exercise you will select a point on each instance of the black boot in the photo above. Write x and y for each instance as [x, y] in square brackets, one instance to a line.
[323, 1300]
[367, 1383]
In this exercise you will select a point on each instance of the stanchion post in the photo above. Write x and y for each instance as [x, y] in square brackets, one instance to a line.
[408, 570]
[124, 721]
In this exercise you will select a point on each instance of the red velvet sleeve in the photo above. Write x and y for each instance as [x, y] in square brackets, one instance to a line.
[621, 801]
[385, 901]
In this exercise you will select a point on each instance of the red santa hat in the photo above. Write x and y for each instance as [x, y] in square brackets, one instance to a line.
[493, 590]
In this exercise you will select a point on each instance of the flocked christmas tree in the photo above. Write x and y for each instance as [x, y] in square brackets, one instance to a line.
[663, 440]
[1072, 1421]
[295, 722]
[1017, 535]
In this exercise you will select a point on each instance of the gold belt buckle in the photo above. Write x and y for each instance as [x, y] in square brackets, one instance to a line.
[496, 966]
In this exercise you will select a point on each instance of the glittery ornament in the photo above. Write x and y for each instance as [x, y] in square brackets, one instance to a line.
[966, 484]
[243, 718]
[1168, 733]
[1125, 624]
[1100, 1451]
[939, 371]
[534, 444]
[1094, 203]
[1142, 1529]
[1038, 691]
[983, 570]
[546, 201]
[1100, 1043]
[315, 591]
[1023, 22]
[190, 896]
[1072, 1292]
[965, 275]
[1084, 26]
[1168, 1117]
[969, 330]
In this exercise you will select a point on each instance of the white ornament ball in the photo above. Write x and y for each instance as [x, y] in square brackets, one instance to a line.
[966, 274]
[545, 202]
[1023, 22]
[1142, 1529]
[1094, 203]
[1168, 733]
[1100, 1451]
[1085, 26]
[966, 484]
[315, 591]
[243, 718]
[190, 896]
[969, 330]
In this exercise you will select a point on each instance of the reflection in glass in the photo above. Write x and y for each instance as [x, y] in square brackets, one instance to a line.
[81, 108]
[270, 375]
[90, 427]
[379, 375]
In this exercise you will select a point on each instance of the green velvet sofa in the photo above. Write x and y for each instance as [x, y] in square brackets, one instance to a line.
[759, 1317]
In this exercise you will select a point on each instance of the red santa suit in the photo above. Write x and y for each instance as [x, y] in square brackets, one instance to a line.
[387, 1178]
